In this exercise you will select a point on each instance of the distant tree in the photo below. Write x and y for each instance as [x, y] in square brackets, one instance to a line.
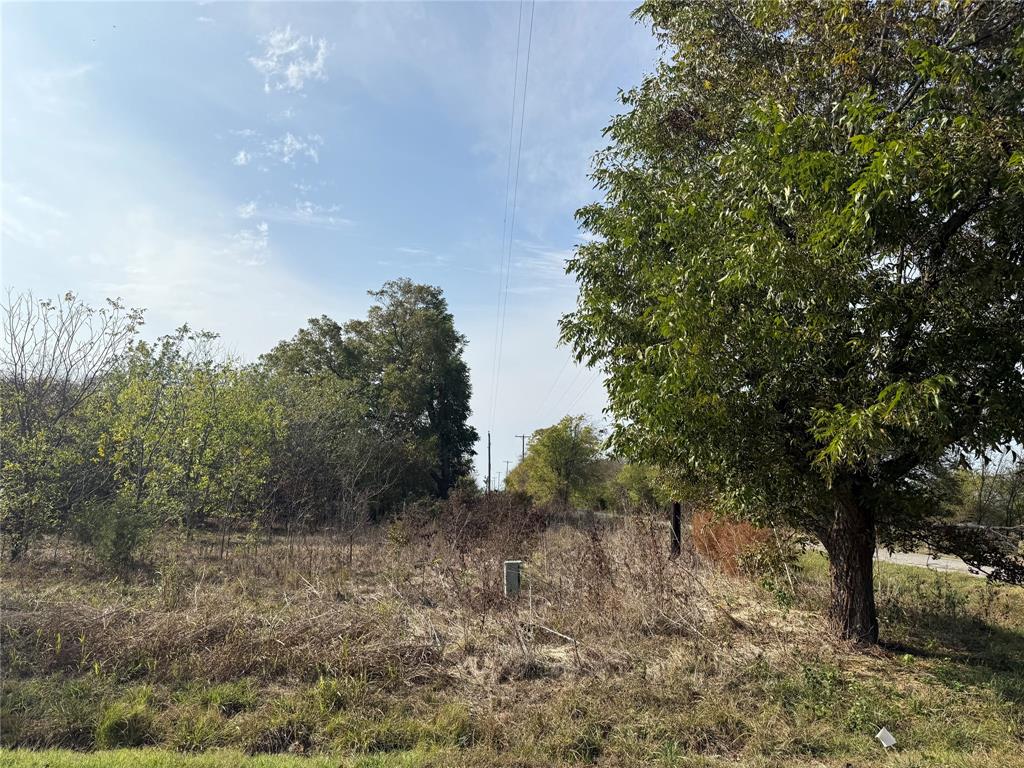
[643, 486]
[991, 493]
[405, 362]
[54, 358]
[563, 463]
[806, 280]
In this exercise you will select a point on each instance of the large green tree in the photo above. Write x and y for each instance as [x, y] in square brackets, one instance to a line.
[806, 280]
[563, 464]
[405, 362]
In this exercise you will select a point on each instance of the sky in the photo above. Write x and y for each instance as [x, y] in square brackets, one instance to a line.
[244, 167]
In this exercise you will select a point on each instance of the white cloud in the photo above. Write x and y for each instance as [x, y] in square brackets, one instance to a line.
[29, 220]
[538, 269]
[204, 19]
[393, 48]
[308, 212]
[289, 60]
[251, 246]
[419, 256]
[285, 149]
[304, 212]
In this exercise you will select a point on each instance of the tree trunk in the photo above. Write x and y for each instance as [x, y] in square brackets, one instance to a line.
[850, 543]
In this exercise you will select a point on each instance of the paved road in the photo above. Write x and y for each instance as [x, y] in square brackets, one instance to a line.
[922, 560]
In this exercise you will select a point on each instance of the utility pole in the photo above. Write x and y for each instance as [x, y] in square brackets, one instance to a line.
[488, 461]
[523, 437]
[507, 462]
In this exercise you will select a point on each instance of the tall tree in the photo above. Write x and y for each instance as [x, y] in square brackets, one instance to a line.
[564, 461]
[807, 277]
[405, 361]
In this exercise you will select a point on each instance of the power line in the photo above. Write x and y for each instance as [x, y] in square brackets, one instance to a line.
[586, 388]
[504, 218]
[544, 400]
[503, 302]
[565, 391]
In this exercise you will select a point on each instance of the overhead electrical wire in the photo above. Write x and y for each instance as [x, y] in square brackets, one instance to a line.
[582, 392]
[504, 219]
[505, 274]
[565, 391]
[544, 400]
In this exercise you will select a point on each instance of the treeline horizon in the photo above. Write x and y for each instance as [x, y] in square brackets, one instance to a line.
[108, 437]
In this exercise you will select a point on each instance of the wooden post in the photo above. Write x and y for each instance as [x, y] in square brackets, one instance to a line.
[677, 528]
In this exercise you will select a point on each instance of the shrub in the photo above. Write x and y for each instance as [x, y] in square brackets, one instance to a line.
[725, 542]
[452, 726]
[231, 698]
[389, 732]
[125, 725]
[197, 730]
[334, 694]
[290, 725]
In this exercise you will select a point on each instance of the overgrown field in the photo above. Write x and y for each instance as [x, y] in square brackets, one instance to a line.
[401, 650]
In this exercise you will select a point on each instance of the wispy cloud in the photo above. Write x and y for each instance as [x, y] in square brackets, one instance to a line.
[308, 212]
[29, 220]
[204, 19]
[289, 146]
[285, 149]
[539, 269]
[250, 246]
[421, 255]
[304, 212]
[289, 60]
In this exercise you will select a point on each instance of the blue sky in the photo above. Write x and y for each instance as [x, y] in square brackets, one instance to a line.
[243, 167]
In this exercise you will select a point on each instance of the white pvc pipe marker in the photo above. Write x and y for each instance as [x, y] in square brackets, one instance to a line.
[513, 577]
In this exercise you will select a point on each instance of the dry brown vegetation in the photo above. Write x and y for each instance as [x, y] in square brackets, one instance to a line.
[402, 642]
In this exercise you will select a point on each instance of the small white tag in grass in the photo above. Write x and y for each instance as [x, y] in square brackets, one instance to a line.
[886, 738]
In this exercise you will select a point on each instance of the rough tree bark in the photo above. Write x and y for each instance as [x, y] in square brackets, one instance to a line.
[849, 540]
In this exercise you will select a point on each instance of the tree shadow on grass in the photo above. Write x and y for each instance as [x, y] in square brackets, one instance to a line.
[971, 652]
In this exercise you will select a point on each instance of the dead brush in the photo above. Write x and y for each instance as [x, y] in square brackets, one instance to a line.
[617, 582]
[220, 641]
[725, 542]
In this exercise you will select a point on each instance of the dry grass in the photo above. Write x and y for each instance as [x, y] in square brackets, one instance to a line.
[402, 642]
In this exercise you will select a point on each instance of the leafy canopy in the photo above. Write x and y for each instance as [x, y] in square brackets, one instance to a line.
[563, 465]
[806, 280]
[405, 363]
